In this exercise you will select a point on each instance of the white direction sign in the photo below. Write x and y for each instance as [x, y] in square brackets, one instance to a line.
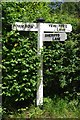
[54, 36]
[50, 27]
[25, 26]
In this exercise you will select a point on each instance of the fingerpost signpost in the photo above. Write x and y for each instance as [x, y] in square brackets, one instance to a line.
[46, 32]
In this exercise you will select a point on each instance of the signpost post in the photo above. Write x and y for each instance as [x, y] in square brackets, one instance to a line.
[46, 32]
[40, 71]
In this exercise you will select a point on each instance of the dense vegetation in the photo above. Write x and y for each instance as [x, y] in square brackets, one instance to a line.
[61, 60]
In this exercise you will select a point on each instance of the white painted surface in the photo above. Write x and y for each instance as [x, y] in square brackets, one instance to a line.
[25, 26]
[20, 26]
[40, 71]
[57, 27]
[54, 36]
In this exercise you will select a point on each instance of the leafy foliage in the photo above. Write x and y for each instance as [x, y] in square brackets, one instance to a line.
[19, 72]
[20, 59]
[61, 60]
[53, 108]
[63, 68]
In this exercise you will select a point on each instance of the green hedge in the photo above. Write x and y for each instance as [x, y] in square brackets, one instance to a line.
[20, 65]
[61, 69]
[61, 60]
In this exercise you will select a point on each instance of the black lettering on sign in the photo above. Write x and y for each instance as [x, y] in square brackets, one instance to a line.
[56, 38]
[18, 26]
[54, 25]
[65, 26]
[47, 35]
[57, 35]
[62, 29]
[51, 25]
[52, 35]
[22, 26]
[53, 38]
[31, 26]
[62, 25]
[28, 26]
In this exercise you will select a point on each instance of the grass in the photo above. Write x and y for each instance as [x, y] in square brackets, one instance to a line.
[53, 108]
